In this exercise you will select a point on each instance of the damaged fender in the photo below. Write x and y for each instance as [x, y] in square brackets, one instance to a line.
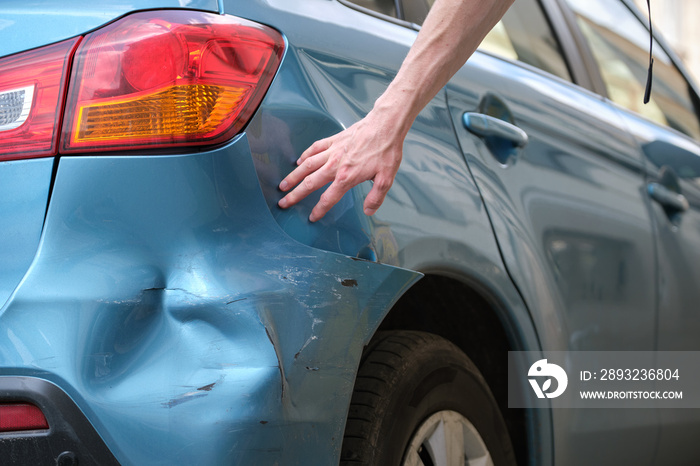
[169, 305]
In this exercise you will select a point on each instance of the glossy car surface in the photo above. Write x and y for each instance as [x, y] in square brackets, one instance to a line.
[159, 308]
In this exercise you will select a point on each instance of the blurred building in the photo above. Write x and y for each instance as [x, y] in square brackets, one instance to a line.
[678, 22]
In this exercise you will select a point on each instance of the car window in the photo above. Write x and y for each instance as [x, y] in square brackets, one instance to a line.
[415, 11]
[524, 34]
[385, 7]
[620, 45]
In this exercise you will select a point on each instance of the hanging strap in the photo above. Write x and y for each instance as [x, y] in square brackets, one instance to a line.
[647, 92]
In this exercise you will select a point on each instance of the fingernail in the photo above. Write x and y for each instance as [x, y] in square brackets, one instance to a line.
[312, 218]
[284, 185]
[282, 203]
[299, 161]
[369, 212]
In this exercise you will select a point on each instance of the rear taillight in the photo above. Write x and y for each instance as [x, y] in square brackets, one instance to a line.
[149, 80]
[17, 417]
[32, 86]
[167, 78]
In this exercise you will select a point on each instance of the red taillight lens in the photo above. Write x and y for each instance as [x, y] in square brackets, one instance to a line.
[168, 78]
[19, 417]
[31, 97]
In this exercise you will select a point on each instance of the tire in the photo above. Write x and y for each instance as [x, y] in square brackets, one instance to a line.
[411, 388]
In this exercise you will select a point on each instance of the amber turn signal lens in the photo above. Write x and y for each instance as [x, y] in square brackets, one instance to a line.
[192, 109]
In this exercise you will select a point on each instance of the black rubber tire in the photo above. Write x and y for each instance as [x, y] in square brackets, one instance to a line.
[405, 377]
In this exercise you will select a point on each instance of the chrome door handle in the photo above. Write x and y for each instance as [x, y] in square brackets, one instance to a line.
[486, 126]
[667, 198]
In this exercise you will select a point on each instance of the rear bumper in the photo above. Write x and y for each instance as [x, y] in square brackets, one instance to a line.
[71, 440]
[169, 306]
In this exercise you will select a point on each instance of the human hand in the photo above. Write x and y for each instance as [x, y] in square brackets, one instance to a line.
[371, 149]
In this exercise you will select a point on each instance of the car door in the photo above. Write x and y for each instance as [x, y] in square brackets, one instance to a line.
[667, 131]
[564, 187]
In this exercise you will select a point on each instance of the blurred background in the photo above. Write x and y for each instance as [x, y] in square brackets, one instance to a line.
[678, 22]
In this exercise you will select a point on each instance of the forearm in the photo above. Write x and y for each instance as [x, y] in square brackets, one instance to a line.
[450, 34]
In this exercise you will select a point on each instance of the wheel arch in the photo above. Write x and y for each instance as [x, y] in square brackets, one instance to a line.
[483, 324]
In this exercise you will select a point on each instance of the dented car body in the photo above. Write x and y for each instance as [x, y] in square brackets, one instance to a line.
[158, 307]
[203, 341]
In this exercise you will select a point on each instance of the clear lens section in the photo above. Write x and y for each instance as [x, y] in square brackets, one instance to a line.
[14, 107]
[168, 78]
[32, 86]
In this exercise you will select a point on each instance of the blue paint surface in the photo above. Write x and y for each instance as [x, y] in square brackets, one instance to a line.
[168, 303]
[24, 190]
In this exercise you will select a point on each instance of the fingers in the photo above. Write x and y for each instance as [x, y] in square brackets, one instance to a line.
[329, 198]
[342, 185]
[306, 168]
[309, 179]
[345, 161]
[313, 163]
[315, 148]
[311, 174]
[377, 194]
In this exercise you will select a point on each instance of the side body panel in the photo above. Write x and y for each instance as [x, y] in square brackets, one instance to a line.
[678, 255]
[433, 219]
[24, 189]
[570, 217]
[666, 137]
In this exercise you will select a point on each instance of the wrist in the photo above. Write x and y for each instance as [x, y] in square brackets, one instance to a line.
[394, 113]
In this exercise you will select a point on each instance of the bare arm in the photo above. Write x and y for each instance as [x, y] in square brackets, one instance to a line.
[372, 148]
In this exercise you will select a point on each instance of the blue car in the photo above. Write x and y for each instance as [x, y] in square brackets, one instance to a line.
[158, 308]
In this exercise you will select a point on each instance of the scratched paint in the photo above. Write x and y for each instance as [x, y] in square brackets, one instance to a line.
[208, 320]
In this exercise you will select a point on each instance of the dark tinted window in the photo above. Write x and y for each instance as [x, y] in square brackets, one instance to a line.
[415, 11]
[524, 34]
[620, 45]
[386, 7]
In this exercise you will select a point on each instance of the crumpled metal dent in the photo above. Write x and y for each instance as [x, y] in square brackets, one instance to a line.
[183, 321]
